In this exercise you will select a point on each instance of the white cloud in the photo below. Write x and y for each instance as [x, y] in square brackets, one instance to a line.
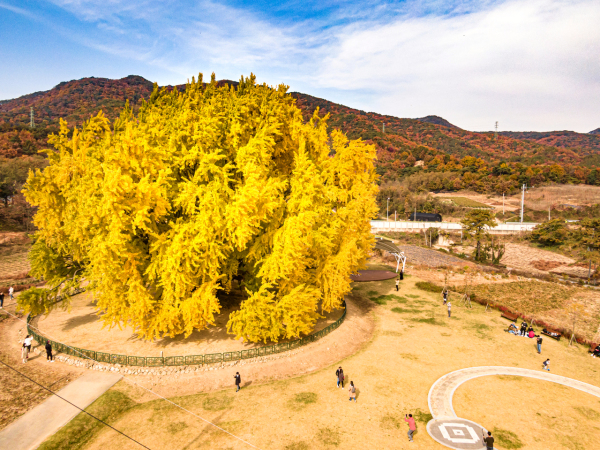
[529, 65]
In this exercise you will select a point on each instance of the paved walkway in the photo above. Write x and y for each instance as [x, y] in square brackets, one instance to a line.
[38, 424]
[457, 433]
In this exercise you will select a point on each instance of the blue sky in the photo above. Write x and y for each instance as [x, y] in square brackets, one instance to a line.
[530, 65]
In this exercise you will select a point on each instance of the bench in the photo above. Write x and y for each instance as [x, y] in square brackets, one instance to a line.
[557, 337]
[509, 316]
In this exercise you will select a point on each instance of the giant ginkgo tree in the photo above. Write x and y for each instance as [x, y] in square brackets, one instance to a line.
[159, 213]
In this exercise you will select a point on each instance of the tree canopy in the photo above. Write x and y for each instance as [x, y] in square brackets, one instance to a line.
[552, 232]
[161, 211]
[475, 224]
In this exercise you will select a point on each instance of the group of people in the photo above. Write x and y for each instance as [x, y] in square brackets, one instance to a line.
[11, 291]
[523, 331]
[339, 376]
[526, 332]
[26, 349]
[596, 352]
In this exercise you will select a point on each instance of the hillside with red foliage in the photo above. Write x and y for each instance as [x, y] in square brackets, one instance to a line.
[75, 101]
[407, 134]
[566, 139]
[405, 147]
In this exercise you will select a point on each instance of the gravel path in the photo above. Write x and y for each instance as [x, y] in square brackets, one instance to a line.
[432, 258]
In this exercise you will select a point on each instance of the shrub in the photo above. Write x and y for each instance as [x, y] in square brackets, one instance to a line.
[428, 286]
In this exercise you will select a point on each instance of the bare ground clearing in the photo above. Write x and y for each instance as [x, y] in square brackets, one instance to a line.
[82, 327]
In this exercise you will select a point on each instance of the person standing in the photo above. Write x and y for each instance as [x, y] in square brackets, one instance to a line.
[449, 309]
[1, 300]
[397, 284]
[238, 381]
[445, 295]
[352, 391]
[11, 290]
[340, 377]
[523, 328]
[489, 441]
[26, 348]
[546, 365]
[49, 356]
[411, 426]
[539, 344]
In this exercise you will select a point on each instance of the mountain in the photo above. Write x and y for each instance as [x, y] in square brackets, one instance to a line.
[437, 120]
[405, 147]
[75, 101]
[435, 133]
[565, 139]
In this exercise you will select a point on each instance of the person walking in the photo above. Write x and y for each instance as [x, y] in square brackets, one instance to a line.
[397, 284]
[1, 300]
[445, 295]
[539, 344]
[11, 290]
[449, 309]
[546, 365]
[352, 392]
[26, 348]
[411, 426]
[49, 356]
[489, 441]
[340, 377]
[238, 381]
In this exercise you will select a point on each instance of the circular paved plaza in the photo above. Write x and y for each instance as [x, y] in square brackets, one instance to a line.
[457, 433]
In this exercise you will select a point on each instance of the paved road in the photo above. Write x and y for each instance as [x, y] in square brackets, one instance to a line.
[452, 431]
[37, 425]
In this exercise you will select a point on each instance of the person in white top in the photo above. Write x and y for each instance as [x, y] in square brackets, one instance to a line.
[26, 348]
[10, 292]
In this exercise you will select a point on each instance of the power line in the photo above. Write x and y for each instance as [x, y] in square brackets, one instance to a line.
[146, 389]
[72, 404]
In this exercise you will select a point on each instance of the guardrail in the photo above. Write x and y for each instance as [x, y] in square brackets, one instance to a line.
[450, 226]
[160, 361]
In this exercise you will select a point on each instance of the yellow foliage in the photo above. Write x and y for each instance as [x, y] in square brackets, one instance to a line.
[162, 211]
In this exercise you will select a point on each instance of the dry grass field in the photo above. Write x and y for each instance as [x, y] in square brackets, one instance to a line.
[414, 344]
[541, 198]
[537, 198]
[18, 395]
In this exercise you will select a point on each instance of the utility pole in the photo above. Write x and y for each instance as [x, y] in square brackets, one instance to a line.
[395, 219]
[522, 201]
[549, 213]
[384, 127]
[496, 132]
[31, 121]
[503, 203]
[387, 217]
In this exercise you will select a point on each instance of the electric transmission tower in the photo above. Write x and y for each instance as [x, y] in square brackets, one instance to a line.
[384, 127]
[31, 121]
[496, 132]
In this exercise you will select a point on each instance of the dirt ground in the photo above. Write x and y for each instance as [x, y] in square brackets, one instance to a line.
[538, 198]
[17, 394]
[535, 260]
[80, 326]
[511, 203]
[414, 344]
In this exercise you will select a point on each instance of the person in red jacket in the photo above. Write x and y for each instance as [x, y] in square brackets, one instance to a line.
[411, 426]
